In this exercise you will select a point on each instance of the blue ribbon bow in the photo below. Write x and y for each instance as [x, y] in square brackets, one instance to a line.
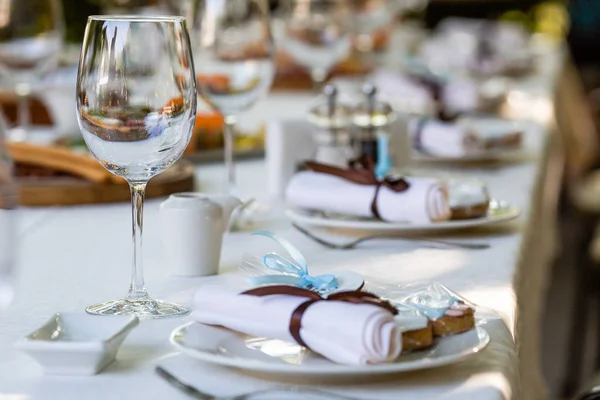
[295, 272]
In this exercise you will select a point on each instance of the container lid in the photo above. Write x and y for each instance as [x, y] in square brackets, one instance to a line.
[372, 113]
[331, 114]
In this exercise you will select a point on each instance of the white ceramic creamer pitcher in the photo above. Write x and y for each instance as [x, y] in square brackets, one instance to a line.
[192, 228]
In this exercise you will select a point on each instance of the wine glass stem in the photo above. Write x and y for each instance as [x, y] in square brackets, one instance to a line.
[23, 116]
[229, 137]
[137, 288]
[318, 76]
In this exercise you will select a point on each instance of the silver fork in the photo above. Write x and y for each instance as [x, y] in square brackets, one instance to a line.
[353, 243]
[198, 394]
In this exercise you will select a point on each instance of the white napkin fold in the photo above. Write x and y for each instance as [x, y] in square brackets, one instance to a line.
[438, 138]
[458, 94]
[454, 46]
[345, 333]
[401, 91]
[461, 95]
[449, 139]
[426, 199]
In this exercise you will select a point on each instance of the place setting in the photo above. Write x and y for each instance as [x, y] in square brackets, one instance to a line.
[343, 176]
[278, 276]
[275, 328]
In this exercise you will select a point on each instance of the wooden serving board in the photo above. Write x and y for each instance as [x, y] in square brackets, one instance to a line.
[73, 191]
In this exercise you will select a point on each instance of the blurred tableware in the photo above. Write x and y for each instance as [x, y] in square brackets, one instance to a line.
[331, 123]
[31, 39]
[77, 343]
[316, 34]
[352, 243]
[372, 121]
[371, 24]
[136, 105]
[289, 143]
[198, 394]
[8, 228]
[473, 136]
[424, 92]
[472, 139]
[499, 211]
[233, 54]
[479, 47]
[192, 228]
[275, 357]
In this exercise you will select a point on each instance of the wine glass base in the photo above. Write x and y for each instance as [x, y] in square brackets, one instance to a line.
[143, 309]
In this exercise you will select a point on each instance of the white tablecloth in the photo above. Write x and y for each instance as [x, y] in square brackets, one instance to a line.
[74, 257]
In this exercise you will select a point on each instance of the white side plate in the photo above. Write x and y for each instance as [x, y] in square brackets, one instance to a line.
[499, 212]
[224, 347]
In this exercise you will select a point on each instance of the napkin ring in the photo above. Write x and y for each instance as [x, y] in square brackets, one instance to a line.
[355, 297]
[362, 171]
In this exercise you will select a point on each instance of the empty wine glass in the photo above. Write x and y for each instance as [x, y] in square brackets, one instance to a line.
[31, 38]
[136, 107]
[233, 54]
[371, 21]
[317, 35]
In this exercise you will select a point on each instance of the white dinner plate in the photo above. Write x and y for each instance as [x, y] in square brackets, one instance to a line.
[224, 347]
[492, 155]
[499, 211]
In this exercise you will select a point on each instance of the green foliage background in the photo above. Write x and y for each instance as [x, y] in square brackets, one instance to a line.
[76, 13]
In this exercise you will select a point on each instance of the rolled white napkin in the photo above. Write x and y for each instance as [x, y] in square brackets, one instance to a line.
[458, 94]
[425, 200]
[461, 95]
[345, 333]
[455, 139]
[454, 46]
[438, 138]
[402, 92]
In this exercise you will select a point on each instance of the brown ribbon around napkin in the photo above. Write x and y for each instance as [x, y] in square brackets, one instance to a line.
[355, 297]
[361, 171]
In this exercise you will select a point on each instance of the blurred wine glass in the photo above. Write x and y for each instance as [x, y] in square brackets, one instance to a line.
[233, 55]
[372, 19]
[136, 107]
[31, 39]
[317, 35]
[410, 7]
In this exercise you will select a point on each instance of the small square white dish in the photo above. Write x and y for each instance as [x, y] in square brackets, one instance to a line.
[77, 343]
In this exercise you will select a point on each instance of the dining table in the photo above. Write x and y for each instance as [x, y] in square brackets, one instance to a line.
[72, 257]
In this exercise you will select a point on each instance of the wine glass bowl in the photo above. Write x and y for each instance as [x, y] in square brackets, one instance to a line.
[317, 35]
[136, 107]
[372, 20]
[233, 54]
